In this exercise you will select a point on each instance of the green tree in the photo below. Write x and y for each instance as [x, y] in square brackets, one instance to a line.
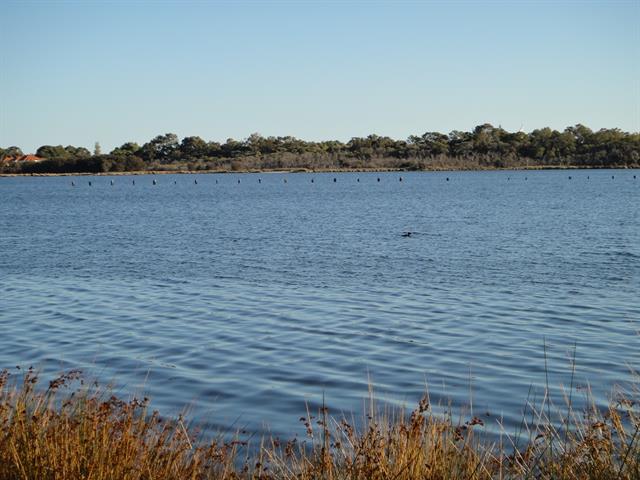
[162, 148]
[460, 143]
[77, 152]
[429, 144]
[53, 152]
[233, 148]
[193, 148]
[10, 152]
[126, 149]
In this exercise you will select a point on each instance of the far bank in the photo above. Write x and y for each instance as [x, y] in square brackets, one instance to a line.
[318, 170]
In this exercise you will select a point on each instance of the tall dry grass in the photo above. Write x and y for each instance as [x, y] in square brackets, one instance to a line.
[72, 430]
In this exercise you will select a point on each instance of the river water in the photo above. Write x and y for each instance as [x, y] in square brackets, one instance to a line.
[249, 296]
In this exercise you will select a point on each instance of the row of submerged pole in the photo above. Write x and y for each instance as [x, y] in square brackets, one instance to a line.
[195, 181]
[335, 180]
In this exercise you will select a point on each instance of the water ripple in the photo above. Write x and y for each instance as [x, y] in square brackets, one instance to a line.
[250, 301]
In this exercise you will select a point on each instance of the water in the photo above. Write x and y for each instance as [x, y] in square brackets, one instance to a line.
[249, 300]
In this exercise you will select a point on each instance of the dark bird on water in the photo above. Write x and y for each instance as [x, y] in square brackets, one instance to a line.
[133, 182]
[400, 178]
[195, 182]
[335, 180]
[259, 180]
[447, 179]
[358, 180]
[378, 178]
[406, 234]
[111, 182]
[73, 184]
[285, 180]
[312, 180]
[154, 182]
[89, 183]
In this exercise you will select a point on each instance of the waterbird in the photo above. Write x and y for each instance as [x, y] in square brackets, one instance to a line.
[111, 182]
[569, 177]
[612, 177]
[447, 179]
[73, 184]
[259, 180]
[175, 182]
[634, 177]
[312, 180]
[89, 183]
[400, 178]
[238, 180]
[154, 181]
[358, 180]
[133, 182]
[378, 178]
[285, 180]
[195, 181]
[406, 234]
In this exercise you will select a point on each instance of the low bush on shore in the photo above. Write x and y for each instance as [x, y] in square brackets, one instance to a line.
[74, 430]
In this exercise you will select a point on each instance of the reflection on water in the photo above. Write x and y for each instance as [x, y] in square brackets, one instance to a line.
[248, 300]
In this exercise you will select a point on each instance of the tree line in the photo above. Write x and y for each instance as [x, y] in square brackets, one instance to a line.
[484, 147]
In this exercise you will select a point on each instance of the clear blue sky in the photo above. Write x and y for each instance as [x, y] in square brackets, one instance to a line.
[77, 72]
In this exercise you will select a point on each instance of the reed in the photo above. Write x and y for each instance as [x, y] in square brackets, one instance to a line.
[73, 430]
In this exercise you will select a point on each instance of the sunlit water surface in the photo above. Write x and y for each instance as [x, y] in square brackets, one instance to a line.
[248, 299]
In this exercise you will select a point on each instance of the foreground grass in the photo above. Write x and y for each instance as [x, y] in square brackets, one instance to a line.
[76, 431]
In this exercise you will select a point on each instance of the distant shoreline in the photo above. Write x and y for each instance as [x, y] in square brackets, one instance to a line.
[484, 148]
[309, 170]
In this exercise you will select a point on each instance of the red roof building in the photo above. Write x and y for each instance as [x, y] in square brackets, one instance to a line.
[21, 158]
[28, 158]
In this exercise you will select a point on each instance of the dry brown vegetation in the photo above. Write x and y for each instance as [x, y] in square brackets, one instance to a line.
[74, 430]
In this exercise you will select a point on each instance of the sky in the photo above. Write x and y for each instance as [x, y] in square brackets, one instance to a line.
[77, 72]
